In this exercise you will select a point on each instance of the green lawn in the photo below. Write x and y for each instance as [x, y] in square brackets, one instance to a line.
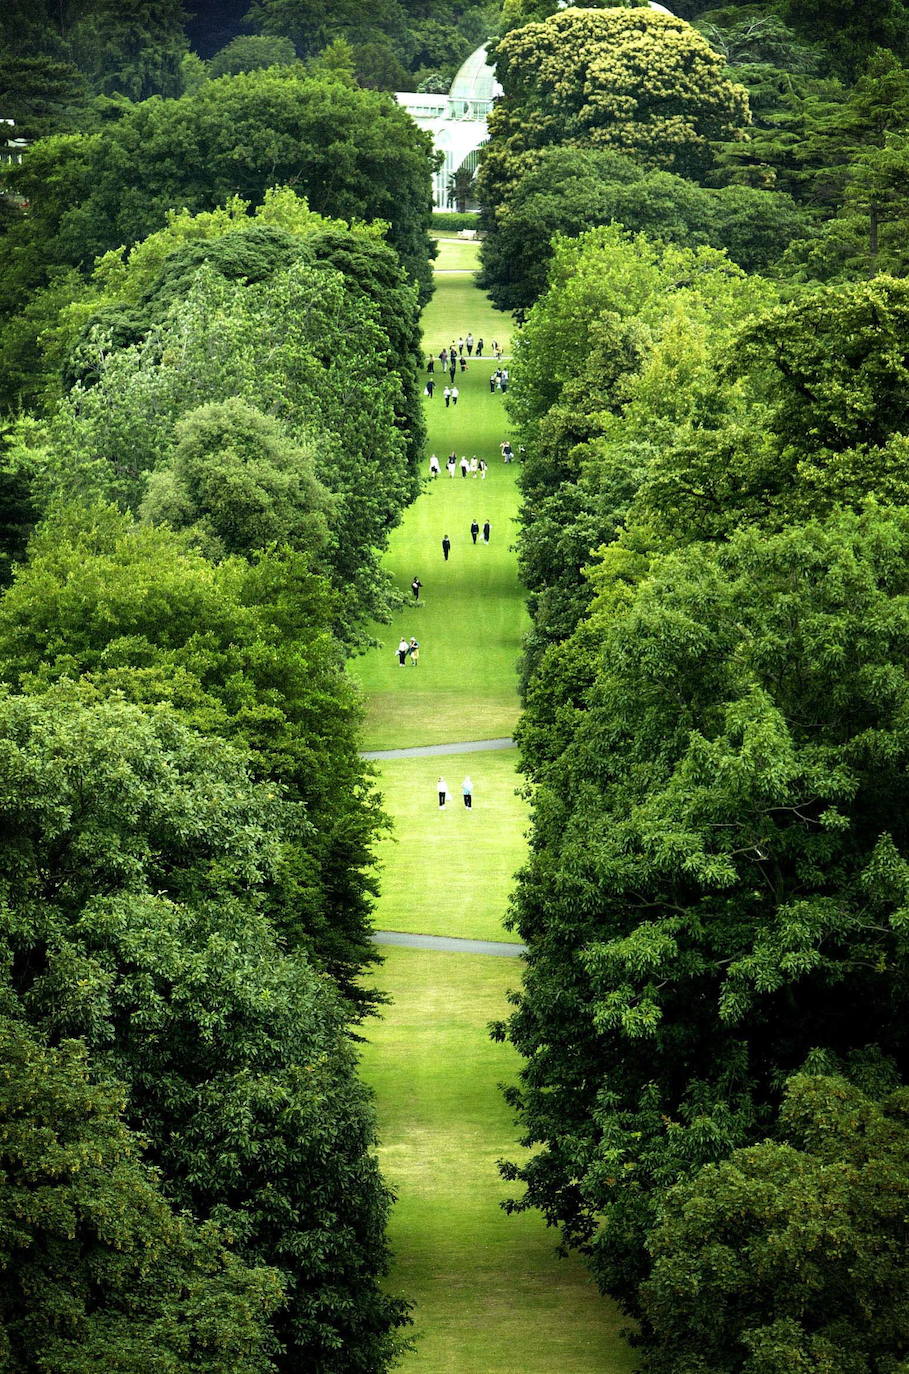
[457, 306]
[456, 255]
[473, 614]
[477, 850]
[491, 1295]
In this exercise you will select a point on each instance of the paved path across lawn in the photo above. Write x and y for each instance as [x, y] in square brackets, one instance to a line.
[452, 944]
[474, 746]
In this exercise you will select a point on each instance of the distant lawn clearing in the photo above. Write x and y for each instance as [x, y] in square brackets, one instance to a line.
[457, 306]
[492, 1296]
[477, 850]
[473, 614]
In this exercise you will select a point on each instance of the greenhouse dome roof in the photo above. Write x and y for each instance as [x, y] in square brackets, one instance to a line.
[476, 79]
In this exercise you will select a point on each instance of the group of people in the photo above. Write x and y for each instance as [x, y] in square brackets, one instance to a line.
[474, 467]
[458, 352]
[408, 649]
[445, 795]
[498, 380]
[475, 528]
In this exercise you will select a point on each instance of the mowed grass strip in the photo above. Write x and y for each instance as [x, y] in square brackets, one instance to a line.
[449, 872]
[491, 1295]
[471, 615]
[457, 306]
[456, 255]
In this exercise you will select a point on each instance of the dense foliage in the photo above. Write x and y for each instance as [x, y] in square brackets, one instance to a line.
[715, 532]
[213, 421]
[94, 192]
[136, 861]
[791, 1254]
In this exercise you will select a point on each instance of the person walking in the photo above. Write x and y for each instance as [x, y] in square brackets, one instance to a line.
[446, 547]
[434, 468]
[474, 465]
[485, 531]
[493, 378]
[430, 364]
[415, 586]
[430, 387]
[402, 652]
[451, 464]
[414, 650]
[452, 368]
[447, 394]
[469, 342]
[442, 787]
[507, 451]
[463, 362]
[482, 469]
[443, 358]
[455, 393]
[464, 465]
[460, 347]
[474, 530]
[479, 348]
[467, 793]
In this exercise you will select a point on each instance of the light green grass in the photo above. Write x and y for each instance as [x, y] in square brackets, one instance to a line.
[473, 614]
[477, 850]
[458, 255]
[491, 1295]
[457, 306]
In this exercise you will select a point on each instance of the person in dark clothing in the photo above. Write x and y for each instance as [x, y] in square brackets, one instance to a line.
[415, 586]
[446, 547]
[485, 531]
[474, 531]
[492, 382]
[479, 348]
[430, 387]
[430, 364]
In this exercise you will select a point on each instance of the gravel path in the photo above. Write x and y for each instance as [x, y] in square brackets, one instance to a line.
[474, 746]
[450, 943]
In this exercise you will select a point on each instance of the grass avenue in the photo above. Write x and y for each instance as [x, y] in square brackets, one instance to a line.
[491, 1296]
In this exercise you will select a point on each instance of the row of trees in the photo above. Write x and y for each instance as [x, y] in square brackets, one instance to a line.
[773, 131]
[65, 65]
[712, 1020]
[225, 424]
[353, 152]
[714, 538]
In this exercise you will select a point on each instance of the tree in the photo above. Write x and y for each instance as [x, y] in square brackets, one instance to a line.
[790, 1255]
[311, 25]
[851, 30]
[248, 53]
[240, 482]
[718, 867]
[42, 94]
[241, 134]
[134, 861]
[96, 1268]
[632, 80]
[130, 47]
[461, 185]
[333, 351]
[244, 653]
[569, 190]
[620, 312]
